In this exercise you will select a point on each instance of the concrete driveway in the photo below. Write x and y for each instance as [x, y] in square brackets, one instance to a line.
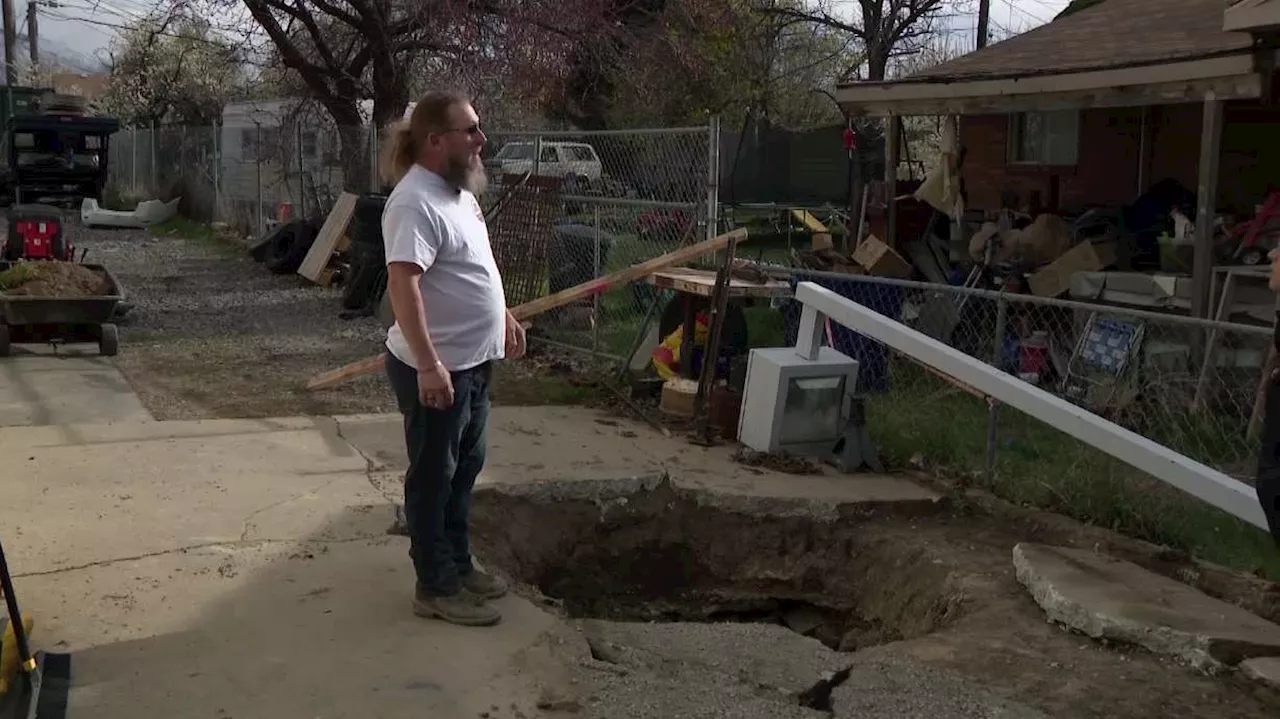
[72, 386]
[241, 569]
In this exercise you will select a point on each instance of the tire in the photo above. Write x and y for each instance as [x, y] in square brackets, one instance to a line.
[5, 346]
[286, 253]
[109, 341]
[367, 273]
[260, 251]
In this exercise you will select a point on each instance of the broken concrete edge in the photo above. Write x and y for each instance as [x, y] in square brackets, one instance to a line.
[610, 493]
[1242, 589]
[1265, 670]
[1200, 651]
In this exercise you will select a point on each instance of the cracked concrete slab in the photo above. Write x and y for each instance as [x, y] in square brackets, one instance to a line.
[181, 490]
[759, 655]
[1106, 598]
[239, 568]
[1263, 669]
[317, 628]
[38, 387]
[539, 444]
[879, 686]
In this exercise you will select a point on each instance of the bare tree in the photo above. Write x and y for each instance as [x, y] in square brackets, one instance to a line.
[353, 50]
[887, 29]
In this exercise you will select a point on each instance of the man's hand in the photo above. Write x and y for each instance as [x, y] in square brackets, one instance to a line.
[435, 388]
[515, 337]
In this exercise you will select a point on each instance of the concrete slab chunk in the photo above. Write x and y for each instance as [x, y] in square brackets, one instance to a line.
[1263, 669]
[1106, 598]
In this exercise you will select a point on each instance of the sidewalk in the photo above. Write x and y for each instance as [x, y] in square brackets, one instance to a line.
[240, 567]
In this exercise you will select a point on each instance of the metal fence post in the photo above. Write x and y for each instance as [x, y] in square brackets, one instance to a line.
[713, 177]
[133, 160]
[155, 180]
[257, 156]
[595, 299]
[537, 155]
[217, 171]
[302, 172]
[993, 406]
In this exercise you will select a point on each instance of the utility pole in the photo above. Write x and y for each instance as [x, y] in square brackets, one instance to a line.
[984, 19]
[10, 39]
[33, 34]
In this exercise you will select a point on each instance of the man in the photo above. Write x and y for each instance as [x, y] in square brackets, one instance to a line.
[451, 325]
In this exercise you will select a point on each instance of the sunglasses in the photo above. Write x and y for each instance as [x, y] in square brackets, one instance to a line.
[472, 130]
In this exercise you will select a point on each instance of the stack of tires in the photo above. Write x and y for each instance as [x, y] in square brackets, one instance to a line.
[367, 280]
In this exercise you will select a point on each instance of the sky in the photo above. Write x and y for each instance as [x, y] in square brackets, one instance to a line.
[86, 26]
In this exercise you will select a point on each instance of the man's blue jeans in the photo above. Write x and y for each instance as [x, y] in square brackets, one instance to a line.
[446, 453]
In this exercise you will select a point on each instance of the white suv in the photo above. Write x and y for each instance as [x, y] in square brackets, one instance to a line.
[573, 161]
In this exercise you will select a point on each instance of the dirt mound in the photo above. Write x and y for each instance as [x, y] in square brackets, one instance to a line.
[53, 279]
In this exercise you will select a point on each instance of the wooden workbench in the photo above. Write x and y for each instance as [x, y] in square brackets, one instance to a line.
[703, 284]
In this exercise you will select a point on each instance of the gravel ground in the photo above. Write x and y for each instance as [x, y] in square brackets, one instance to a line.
[213, 334]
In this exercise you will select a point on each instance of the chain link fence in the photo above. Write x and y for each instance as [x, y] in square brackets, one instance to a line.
[598, 201]
[1191, 385]
[622, 197]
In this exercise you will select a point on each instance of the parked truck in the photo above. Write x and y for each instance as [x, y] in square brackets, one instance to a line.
[50, 150]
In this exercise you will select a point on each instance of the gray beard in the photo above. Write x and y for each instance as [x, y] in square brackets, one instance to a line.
[462, 176]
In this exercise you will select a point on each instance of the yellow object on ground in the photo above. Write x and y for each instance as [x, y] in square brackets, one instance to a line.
[9, 651]
[666, 356]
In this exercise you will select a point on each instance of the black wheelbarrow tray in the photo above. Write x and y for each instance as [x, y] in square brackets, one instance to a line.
[70, 315]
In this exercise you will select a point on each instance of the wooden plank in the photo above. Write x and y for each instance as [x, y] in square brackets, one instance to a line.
[805, 218]
[369, 365]
[334, 229]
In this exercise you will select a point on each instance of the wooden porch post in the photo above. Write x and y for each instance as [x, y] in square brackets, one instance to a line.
[892, 135]
[1206, 204]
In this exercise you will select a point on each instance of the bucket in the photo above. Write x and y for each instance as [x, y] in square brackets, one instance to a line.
[1033, 354]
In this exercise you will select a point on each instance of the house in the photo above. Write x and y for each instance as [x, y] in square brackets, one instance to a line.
[1093, 109]
[282, 150]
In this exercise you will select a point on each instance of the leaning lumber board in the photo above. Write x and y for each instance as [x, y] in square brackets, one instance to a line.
[331, 233]
[369, 365]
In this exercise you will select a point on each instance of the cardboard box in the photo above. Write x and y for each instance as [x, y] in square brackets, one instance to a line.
[879, 259]
[823, 241]
[1055, 278]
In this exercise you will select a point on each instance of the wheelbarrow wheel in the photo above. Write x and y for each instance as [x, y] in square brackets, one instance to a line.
[4, 340]
[109, 341]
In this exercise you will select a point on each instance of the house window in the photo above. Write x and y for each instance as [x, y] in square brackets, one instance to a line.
[1044, 138]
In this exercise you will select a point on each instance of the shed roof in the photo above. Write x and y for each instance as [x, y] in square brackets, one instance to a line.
[1112, 34]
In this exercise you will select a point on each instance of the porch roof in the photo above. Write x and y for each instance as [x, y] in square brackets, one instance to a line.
[1116, 53]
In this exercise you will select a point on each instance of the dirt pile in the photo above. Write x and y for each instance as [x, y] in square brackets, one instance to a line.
[53, 279]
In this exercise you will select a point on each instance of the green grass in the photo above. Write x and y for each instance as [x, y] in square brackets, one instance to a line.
[198, 232]
[1039, 466]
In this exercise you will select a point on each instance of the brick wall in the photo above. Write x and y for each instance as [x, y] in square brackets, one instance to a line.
[1106, 173]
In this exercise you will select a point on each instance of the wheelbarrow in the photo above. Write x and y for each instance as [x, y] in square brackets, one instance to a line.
[64, 315]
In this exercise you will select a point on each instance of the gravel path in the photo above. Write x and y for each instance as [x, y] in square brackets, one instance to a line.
[214, 334]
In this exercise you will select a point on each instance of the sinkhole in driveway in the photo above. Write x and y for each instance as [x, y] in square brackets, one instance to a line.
[643, 549]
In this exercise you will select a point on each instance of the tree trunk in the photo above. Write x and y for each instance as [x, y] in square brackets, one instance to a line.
[353, 144]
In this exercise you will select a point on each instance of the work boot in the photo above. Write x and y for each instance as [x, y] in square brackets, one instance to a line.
[463, 608]
[485, 586]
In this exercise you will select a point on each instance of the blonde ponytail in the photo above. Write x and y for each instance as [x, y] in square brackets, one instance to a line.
[398, 153]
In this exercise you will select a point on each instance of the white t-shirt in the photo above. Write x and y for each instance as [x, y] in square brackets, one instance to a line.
[441, 229]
